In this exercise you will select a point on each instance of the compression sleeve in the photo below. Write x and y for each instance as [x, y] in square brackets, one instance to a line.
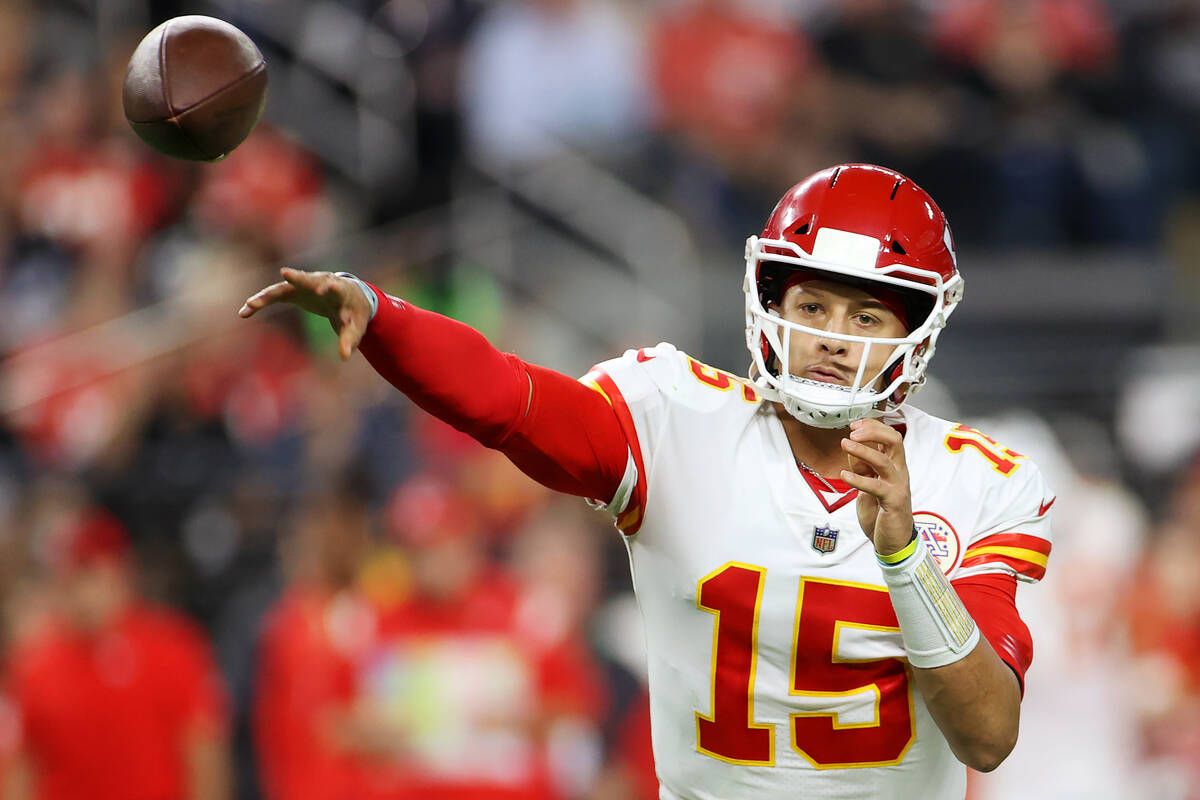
[555, 429]
[991, 601]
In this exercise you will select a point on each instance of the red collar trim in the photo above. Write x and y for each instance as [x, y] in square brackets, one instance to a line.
[843, 493]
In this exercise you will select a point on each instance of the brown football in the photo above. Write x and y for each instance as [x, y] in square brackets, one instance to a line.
[195, 88]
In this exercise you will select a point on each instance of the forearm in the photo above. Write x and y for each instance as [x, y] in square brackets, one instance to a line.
[448, 369]
[556, 430]
[976, 703]
[973, 696]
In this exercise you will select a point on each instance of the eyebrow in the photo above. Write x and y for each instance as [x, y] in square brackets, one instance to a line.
[866, 302]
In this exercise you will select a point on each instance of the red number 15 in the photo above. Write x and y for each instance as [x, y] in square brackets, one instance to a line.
[824, 610]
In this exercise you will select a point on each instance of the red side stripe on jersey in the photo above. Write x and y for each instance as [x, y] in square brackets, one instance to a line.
[1027, 555]
[630, 520]
[1035, 543]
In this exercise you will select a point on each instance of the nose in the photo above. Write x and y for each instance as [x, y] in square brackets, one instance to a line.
[834, 347]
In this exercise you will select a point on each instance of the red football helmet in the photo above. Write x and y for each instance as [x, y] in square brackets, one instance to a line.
[876, 229]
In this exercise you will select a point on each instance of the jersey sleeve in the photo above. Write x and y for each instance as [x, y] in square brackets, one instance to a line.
[1014, 533]
[990, 598]
[639, 386]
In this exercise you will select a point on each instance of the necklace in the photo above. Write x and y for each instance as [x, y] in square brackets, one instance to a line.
[815, 474]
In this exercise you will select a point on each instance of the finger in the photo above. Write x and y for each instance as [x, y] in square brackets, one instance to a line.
[274, 293]
[872, 430]
[303, 279]
[859, 466]
[883, 438]
[875, 487]
[880, 462]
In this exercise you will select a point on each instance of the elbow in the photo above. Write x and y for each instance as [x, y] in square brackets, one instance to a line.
[986, 755]
[987, 762]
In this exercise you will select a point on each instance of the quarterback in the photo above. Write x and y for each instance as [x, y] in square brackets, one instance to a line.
[827, 575]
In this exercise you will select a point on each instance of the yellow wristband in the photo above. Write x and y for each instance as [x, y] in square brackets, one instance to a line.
[902, 553]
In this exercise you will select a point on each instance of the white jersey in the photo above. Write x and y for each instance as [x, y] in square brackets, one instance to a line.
[776, 665]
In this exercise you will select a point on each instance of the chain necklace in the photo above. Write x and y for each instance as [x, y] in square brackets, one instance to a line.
[815, 474]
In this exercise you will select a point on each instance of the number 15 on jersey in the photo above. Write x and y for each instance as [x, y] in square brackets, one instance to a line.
[825, 609]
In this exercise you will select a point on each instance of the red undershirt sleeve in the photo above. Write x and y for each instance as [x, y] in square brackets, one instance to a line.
[555, 429]
[570, 440]
[991, 601]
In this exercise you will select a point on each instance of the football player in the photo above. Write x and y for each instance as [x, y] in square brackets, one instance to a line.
[827, 575]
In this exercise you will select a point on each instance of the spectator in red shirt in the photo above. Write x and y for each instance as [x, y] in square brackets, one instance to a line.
[111, 699]
[479, 686]
[436, 683]
[312, 643]
[742, 100]
[727, 79]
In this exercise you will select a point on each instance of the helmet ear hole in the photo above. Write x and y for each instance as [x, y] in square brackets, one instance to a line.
[898, 248]
[920, 306]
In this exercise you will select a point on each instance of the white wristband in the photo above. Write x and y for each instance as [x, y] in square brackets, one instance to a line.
[371, 296]
[935, 625]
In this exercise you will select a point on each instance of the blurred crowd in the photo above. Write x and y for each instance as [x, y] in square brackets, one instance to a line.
[233, 566]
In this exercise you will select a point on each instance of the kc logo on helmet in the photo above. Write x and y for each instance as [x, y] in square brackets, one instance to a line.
[824, 539]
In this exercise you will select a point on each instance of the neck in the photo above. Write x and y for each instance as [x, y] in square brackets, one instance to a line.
[819, 448]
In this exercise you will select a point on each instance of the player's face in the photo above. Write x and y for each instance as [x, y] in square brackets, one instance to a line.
[837, 308]
[91, 594]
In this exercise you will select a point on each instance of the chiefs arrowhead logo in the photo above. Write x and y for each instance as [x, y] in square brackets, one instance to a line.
[1045, 506]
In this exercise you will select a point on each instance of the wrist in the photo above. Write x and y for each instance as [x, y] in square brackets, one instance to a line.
[893, 554]
[936, 627]
[368, 292]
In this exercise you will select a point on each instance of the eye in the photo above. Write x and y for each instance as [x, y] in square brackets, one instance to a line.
[810, 308]
[865, 320]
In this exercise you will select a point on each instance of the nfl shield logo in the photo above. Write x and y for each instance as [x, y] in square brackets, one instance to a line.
[824, 540]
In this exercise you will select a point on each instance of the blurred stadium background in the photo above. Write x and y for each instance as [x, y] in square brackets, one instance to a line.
[359, 603]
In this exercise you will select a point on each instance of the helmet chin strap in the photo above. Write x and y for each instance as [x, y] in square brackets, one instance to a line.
[824, 406]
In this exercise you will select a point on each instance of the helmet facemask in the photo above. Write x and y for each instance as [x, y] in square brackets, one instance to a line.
[829, 405]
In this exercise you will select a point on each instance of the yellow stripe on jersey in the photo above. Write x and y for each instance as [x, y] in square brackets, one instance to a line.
[1020, 553]
[591, 384]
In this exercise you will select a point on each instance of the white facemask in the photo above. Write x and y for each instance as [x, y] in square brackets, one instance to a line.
[828, 405]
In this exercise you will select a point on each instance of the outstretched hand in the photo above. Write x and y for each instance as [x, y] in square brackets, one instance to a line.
[879, 472]
[338, 299]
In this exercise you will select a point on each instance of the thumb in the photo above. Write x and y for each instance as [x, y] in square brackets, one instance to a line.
[349, 335]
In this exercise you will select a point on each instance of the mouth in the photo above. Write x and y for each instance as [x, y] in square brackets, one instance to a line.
[826, 374]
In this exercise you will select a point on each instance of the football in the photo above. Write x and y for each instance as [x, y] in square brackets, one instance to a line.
[195, 88]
